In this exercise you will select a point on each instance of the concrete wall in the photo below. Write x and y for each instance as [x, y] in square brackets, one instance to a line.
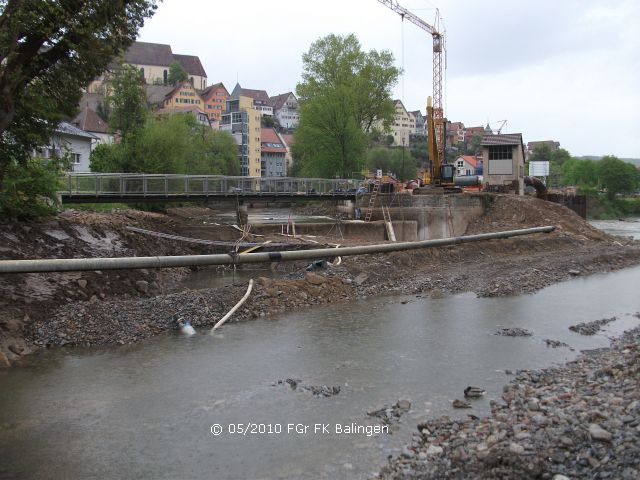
[436, 216]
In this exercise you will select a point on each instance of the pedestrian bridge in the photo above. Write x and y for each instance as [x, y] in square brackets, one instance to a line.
[136, 187]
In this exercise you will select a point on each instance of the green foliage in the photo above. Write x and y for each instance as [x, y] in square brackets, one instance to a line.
[128, 102]
[617, 177]
[582, 173]
[177, 73]
[29, 188]
[328, 141]
[390, 160]
[48, 52]
[171, 144]
[472, 147]
[343, 94]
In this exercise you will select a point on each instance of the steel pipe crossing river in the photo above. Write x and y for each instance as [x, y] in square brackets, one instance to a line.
[134, 187]
[80, 264]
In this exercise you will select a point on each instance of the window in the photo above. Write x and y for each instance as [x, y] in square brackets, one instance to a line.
[500, 160]
[75, 158]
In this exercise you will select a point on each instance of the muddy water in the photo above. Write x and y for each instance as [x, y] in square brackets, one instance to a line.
[628, 227]
[146, 411]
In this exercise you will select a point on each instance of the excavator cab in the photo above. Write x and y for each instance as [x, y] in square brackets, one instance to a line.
[447, 172]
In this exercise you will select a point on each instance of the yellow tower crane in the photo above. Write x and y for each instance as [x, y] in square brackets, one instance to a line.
[437, 148]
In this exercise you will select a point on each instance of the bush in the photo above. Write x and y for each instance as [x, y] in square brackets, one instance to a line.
[30, 189]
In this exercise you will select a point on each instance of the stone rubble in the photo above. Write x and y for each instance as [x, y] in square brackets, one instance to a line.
[581, 420]
[591, 328]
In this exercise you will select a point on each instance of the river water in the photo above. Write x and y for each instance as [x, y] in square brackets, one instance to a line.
[146, 411]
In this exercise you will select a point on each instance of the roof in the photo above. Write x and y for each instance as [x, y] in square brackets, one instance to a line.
[191, 64]
[271, 143]
[67, 128]
[89, 121]
[157, 93]
[417, 114]
[92, 100]
[260, 96]
[177, 87]
[212, 88]
[503, 139]
[143, 53]
[278, 101]
[288, 139]
[470, 159]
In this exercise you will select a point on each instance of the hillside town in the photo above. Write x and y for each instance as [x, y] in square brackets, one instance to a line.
[267, 151]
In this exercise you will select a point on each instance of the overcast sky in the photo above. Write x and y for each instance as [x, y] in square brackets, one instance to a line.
[565, 70]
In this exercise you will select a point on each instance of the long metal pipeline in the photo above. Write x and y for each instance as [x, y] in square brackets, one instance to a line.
[80, 264]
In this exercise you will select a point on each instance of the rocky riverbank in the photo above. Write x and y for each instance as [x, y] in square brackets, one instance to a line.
[581, 420]
[121, 307]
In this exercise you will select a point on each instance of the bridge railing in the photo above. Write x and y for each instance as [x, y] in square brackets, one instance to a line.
[144, 185]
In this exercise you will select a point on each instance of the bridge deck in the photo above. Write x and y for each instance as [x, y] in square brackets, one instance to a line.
[124, 187]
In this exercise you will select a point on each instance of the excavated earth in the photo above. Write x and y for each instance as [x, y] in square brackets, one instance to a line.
[121, 307]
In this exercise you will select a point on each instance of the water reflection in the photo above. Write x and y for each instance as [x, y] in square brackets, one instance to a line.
[145, 411]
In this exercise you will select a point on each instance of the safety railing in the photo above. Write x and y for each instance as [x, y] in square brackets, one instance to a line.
[150, 185]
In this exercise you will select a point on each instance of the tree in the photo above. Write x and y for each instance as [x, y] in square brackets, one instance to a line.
[345, 92]
[390, 160]
[328, 141]
[48, 52]
[128, 102]
[580, 172]
[616, 176]
[472, 147]
[177, 73]
[171, 144]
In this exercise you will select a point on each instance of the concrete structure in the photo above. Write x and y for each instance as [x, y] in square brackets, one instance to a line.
[242, 121]
[503, 161]
[214, 99]
[285, 110]
[70, 140]
[89, 121]
[273, 154]
[260, 99]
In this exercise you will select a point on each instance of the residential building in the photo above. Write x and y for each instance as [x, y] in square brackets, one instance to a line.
[156, 95]
[153, 60]
[89, 121]
[455, 133]
[70, 140]
[467, 134]
[182, 95]
[552, 144]
[421, 123]
[285, 110]
[260, 98]
[468, 165]
[242, 121]
[273, 154]
[287, 139]
[201, 117]
[214, 99]
[404, 125]
[503, 161]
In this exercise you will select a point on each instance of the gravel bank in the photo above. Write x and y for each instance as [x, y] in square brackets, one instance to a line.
[578, 421]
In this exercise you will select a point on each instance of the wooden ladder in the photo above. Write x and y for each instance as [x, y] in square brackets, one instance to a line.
[372, 200]
[387, 222]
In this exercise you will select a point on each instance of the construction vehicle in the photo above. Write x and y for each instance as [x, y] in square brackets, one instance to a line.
[441, 174]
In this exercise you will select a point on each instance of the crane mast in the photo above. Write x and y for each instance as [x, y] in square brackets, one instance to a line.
[438, 49]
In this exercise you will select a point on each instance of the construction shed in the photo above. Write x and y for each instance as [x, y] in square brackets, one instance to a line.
[503, 159]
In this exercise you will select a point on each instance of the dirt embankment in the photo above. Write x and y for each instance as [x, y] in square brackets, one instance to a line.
[117, 307]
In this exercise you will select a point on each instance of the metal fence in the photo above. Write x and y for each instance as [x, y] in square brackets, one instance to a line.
[150, 185]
